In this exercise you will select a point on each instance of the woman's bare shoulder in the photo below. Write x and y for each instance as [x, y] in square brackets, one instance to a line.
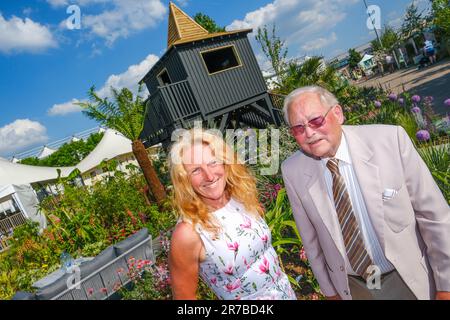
[184, 235]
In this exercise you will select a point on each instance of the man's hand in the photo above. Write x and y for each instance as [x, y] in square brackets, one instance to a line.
[336, 297]
[442, 295]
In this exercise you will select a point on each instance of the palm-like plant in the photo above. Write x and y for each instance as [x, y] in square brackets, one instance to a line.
[310, 72]
[126, 115]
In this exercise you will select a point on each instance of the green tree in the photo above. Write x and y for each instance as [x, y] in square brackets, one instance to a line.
[126, 115]
[413, 22]
[310, 72]
[69, 154]
[389, 38]
[208, 23]
[441, 16]
[354, 57]
[273, 48]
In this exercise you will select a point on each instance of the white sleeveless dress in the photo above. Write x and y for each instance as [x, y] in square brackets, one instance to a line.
[241, 263]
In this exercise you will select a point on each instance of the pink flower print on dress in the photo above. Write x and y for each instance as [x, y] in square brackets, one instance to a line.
[246, 263]
[231, 286]
[229, 268]
[264, 266]
[264, 238]
[213, 280]
[247, 223]
[233, 246]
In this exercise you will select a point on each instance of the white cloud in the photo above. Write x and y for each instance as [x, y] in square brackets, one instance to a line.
[64, 108]
[17, 35]
[319, 43]
[128, 79]
[118, 18]
[58, 3]
[20, 134]
[298, 22]
[183, 3]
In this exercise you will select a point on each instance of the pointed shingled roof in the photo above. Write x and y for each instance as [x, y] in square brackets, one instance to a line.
[181, 26]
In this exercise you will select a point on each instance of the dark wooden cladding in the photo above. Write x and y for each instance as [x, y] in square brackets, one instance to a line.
[174, 67]
[222, 89]
[180, 100]
[237, 95]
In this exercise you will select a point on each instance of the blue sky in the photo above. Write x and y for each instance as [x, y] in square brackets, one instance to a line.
[45, 67]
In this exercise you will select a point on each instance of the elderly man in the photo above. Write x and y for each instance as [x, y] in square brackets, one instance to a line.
[373, 222]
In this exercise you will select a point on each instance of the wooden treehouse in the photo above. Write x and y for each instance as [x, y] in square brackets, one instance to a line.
[208, 77]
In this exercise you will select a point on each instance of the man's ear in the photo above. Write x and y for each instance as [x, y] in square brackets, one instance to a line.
[339, 114]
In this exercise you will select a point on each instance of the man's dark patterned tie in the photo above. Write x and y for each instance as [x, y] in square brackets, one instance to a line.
[356, 251]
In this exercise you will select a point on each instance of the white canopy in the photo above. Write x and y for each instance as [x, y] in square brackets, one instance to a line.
[16, 173]
[46, 151]
[25, 198]
[112, 145]
[365, 58]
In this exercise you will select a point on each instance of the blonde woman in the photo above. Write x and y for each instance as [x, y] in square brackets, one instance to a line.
[221, 235]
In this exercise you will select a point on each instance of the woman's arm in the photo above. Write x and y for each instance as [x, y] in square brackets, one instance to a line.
[184, 255]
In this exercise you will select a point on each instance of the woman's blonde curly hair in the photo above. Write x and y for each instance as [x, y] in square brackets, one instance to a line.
[240, 182]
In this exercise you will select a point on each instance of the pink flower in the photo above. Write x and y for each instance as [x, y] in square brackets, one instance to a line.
[233, 246]
[303, 255]
[213, 280]
[246, 263]
[103, 290]
[231, 286]
[120, 270]
[90, 291]
[447, 102]
[229, 269]
[278, 273]
[247, 224]
[264, 238]
[264, 266]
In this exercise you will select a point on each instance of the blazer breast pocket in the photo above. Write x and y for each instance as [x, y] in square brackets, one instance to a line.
[398, 211]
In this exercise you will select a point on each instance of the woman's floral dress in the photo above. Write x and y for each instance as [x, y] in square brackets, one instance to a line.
[241, 263]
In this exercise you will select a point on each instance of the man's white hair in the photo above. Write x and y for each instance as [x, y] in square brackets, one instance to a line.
[326, 97]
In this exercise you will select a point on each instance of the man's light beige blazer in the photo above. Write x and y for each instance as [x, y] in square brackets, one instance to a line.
[413, 227]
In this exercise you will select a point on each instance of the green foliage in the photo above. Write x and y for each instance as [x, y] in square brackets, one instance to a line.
[412, 22]
[208, 23]
[437, 159]
[354, 58]
[441, 16]
[389, 38]
[69, 154]
[125, 114]
[310, 72]
[82, 221]
[273, 47]
[281, 223]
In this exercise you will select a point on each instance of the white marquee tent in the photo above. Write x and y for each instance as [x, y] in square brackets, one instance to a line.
[22, 197]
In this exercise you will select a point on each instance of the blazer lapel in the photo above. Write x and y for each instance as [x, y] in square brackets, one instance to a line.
[367, 174]
[317, 189]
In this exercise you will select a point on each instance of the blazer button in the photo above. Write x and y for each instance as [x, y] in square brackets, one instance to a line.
[346, 292]
[342, 268]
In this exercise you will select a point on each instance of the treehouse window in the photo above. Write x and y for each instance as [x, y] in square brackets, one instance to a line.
[220, 59]
[163, 78]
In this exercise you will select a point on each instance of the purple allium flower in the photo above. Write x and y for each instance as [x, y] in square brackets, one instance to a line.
[401, 101]
[416, 110]
[423, 135]
[377, 104]
[392, 97]
[415, 98]
[429, 99]
[447, 102]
